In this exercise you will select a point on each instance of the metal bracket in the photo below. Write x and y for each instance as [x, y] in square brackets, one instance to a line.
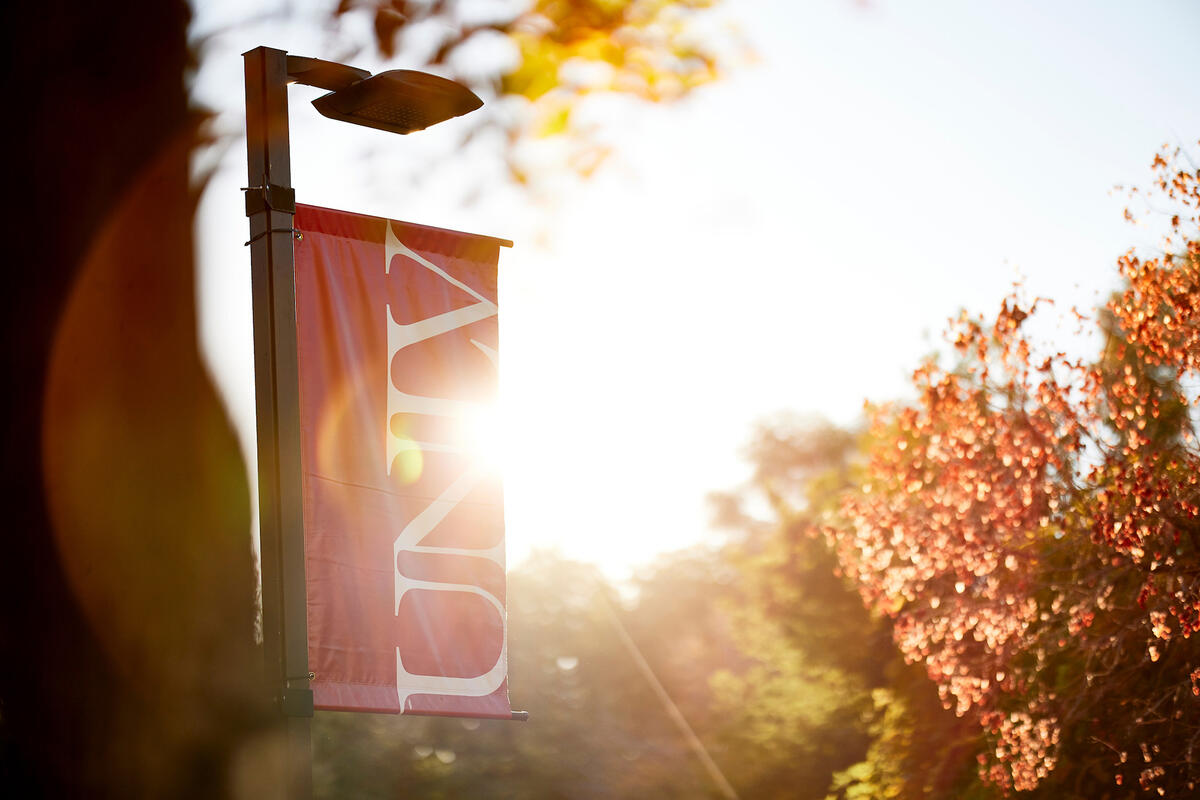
[326, 75]
[298, 235]
[269, 197]
[296, 702]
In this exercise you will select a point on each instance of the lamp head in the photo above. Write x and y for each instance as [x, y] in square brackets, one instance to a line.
[399, 101]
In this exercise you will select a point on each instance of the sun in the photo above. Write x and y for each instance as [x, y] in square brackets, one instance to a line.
[479, 432]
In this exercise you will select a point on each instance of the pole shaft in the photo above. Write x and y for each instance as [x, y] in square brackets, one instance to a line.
[276, 379]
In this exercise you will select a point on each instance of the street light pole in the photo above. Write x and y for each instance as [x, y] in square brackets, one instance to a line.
[271, 206]
[397, 101]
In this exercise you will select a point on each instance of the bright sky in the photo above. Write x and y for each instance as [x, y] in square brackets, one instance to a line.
[791, 239]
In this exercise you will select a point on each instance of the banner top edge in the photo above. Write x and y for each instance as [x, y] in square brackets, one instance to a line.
[496, 239]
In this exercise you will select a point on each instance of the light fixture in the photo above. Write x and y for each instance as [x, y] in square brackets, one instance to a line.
[398, 101]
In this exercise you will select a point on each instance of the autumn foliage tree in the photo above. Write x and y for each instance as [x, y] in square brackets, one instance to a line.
[1031, 525]
[544, 59]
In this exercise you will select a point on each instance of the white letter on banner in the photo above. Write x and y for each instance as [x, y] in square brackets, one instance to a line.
[398, 337]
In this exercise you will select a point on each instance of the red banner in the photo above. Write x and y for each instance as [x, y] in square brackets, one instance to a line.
[403, 515]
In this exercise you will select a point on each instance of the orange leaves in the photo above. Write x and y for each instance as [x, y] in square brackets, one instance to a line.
[976, 490]
[961, 484]
[1033, 527]
[1159, 308]
[1010, 318]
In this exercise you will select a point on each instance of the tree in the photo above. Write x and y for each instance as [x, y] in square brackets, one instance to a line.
[552, 56]
[128, 666]
[799, 709]
[1030, 525]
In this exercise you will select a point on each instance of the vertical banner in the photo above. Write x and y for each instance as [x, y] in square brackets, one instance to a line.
[404, 525]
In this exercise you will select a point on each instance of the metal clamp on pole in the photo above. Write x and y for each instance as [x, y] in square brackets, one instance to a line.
[269, 197]
[293, 231]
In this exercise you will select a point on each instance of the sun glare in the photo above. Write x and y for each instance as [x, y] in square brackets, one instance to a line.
[479, 430]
